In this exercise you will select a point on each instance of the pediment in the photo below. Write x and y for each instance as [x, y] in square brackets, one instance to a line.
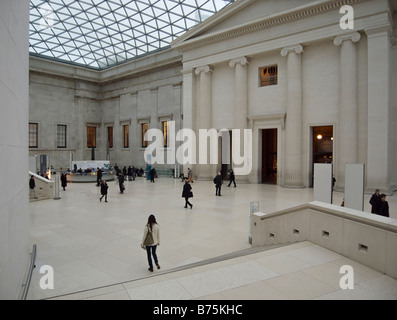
[240, 13]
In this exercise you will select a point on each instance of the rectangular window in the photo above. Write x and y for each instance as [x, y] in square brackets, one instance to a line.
[126, 139]
[165, 125]
[144, 128]
[110, 137]
[268, 76]
[91, 137]
[61, 136]
[33, 135]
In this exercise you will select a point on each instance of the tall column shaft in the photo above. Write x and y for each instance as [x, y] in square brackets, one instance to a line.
[380, 130]
[347, 138]
[205, 171]
[293, 129]
[240, 66]
[188, 108]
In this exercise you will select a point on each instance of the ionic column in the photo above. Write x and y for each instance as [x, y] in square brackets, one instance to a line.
[292, 176]
[205, 118]
[381, 131]
[346, 141]
[188, 108]
[240, 66]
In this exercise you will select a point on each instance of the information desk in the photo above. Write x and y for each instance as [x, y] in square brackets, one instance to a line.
[88, 177]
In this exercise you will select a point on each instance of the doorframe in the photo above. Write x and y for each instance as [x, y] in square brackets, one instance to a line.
[257, 124]
[309, 161]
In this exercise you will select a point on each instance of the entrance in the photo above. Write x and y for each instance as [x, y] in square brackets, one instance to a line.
[269, 156]
[322, 146]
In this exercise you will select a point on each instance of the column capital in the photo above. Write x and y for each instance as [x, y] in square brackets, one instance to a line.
[205, 69]
[298, 49]
[353, 36]
[242, 60]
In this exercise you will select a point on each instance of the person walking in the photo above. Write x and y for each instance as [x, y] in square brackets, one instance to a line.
[375, 202]
[32, 186]
[187, 193]
[232, 178]
[121, 182]
[104, 191]
[383, 206]
[218, 184]
[64, 181]
[150, 241]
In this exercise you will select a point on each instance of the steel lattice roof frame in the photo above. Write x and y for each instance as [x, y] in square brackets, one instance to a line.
[99, 34]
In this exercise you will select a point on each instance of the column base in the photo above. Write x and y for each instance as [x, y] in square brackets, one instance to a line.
[291, 186]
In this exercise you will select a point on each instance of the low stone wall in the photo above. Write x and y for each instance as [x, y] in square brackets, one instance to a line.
[366, 238]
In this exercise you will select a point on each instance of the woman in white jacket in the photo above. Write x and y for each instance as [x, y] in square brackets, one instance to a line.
[150, 241]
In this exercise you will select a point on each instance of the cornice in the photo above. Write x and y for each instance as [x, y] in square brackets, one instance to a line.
[262, 24]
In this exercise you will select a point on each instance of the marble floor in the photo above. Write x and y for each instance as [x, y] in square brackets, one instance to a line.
[91, 244]
[301, 271]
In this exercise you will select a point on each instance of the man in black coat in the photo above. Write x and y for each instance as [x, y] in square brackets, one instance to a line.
[64, 181]
[187, 193]
[104, 191]
[152, 174]
[121, 182]
[218, 184]
[375, 202]
[383, 206]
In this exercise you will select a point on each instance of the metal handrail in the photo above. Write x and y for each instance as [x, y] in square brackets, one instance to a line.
[32, 266]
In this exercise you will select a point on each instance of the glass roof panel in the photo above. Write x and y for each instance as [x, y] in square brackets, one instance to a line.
[99, 34]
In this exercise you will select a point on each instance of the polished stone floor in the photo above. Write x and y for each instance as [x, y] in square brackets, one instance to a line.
[300, 271]
[93, 244]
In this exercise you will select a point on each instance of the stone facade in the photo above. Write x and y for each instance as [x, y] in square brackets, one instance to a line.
[148, 90]
[327, 76]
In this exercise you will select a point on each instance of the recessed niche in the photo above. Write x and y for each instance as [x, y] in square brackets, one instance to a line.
[271, 235]
[362, 248]
[325, 234]
[296, 232]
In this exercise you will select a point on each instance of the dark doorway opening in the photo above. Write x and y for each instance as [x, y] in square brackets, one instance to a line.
[269, 156]
[322, 146]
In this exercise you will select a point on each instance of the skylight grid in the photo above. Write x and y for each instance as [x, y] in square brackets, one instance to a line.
[99, 34]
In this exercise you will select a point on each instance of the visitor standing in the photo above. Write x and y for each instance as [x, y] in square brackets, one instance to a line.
[121, 182]
[152, 174]
[218, 184]
[32, 186]
[375, 202]
[64, 181]
[384, 206]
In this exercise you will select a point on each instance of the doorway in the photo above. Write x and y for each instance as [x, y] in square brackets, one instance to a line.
[269, 156]
[322, 146]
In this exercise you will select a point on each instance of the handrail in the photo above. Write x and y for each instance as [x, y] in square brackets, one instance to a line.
[32, 266]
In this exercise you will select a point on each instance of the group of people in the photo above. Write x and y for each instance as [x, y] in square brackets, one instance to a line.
[379, 204]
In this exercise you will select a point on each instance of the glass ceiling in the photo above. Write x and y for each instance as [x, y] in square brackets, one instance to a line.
[99, 34]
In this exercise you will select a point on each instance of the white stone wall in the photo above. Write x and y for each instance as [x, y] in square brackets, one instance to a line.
[15, 243]
[347, 81]
[87, 100]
